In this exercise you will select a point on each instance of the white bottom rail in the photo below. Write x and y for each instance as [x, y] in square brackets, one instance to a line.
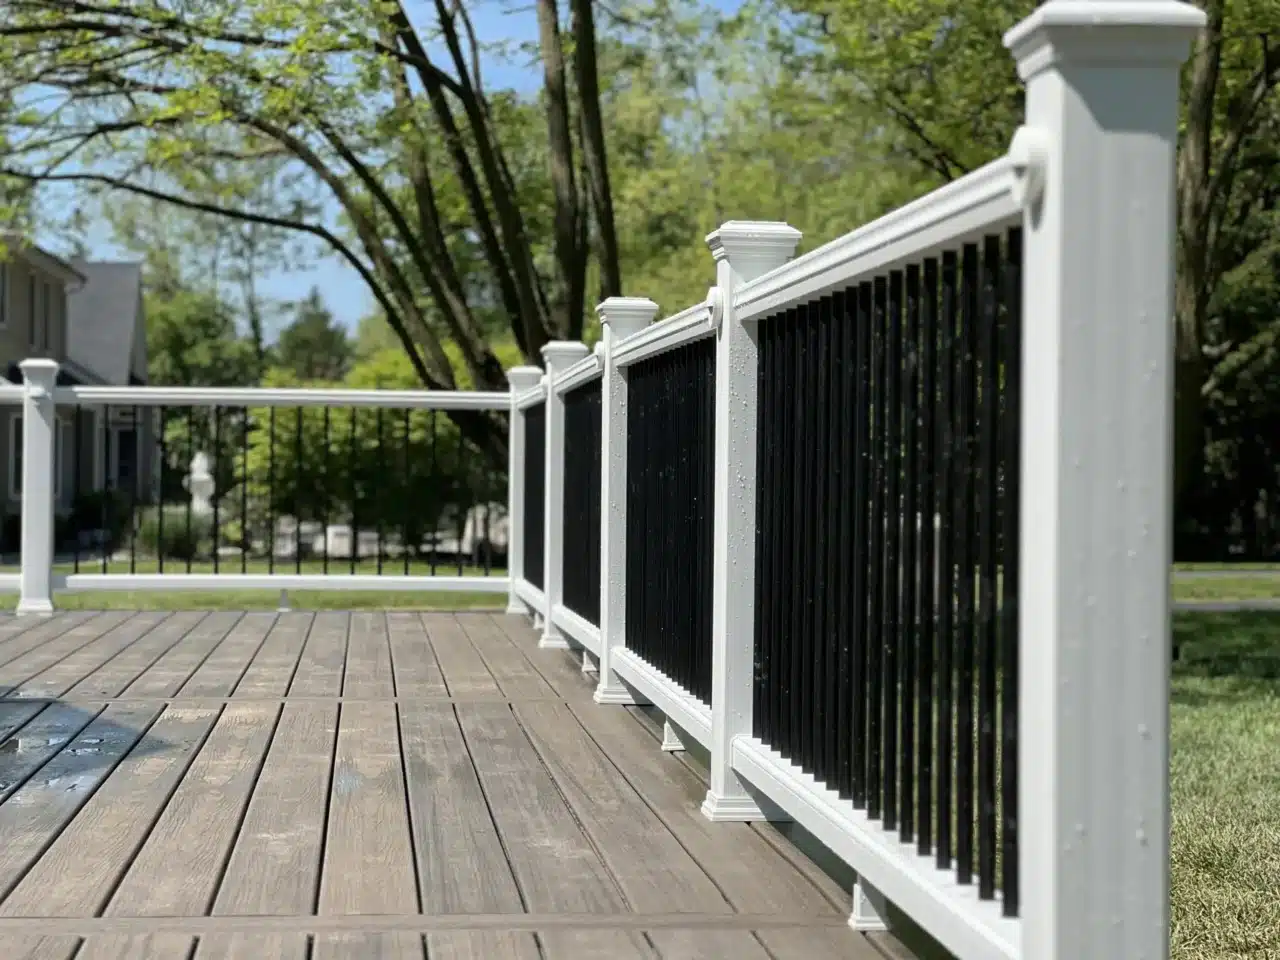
[531, 595]
[583, 631]
[687, 711]
[970, 928]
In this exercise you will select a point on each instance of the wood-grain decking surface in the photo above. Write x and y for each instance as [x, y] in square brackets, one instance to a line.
[401, 785]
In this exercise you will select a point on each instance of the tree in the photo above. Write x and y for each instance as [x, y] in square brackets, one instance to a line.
[313, 346]
[172, 100]
[959, 103]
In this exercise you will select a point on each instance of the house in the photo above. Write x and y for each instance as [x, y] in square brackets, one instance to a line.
[89, 318]
[107, 342]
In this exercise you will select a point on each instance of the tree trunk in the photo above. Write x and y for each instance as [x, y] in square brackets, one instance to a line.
[595, 158]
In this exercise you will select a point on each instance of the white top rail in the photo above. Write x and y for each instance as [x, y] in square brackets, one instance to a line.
[590, 367]
[10, 393]
[531, 398]
[964, 211]
[684, 327]
[284, 397]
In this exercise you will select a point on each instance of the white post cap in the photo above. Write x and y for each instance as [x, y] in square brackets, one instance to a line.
[1103, 32]
[562, 354]
[753, 247]
[626, 316]
[523, 378]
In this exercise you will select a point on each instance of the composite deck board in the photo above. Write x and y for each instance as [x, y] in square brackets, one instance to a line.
[461, 864]
[78, 872]
[555, 865]
[36, 743]
[274, 869]
[323, 663]
[395, 945]
[38, 948]
[482, 945]
[60, 644]
[594, 945]
[146, 946]
[253, 946]
[361, 786]
[68, 672]
[32, 818]
[465, 673]
[37, 631]
[176, 872]
[274, 664]
[413, 659]
[167, 675]
[514, 674]
[368, 658]
[15, 716]
[651, 866]
[368, 866]
[118, 673]
[223, 668]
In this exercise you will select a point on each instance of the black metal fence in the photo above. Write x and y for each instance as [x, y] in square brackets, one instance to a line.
[670, 483]
[298, 489]
[887, 536]
[535, 485]
[581, 515]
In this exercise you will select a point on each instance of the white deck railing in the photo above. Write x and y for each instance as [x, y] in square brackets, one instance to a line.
[1089, 181]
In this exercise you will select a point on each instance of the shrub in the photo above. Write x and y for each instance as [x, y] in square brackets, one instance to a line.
[176, 543]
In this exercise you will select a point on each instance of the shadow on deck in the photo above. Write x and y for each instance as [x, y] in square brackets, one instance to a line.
[331, 785]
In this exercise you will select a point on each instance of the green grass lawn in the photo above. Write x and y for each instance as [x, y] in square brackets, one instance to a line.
[270, 600]
[391, 566]
[1225, 786]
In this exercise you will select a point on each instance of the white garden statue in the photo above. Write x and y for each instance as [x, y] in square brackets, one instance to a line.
[199, 483]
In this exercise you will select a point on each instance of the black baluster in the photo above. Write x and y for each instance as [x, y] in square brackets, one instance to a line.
[762, 687]
[464, 500]
[1010, 441]
[844, 545]
[164, 462]
[271, 490]
[217, 500]
[108, 488]
[946, 569]
[965, 556]
[406, 493]
[928, 556]
[788, 691]
[191, 453]
[244, 491]
[75, 493]
[989, 458]
[890, 638]
[353, 470]
[379, 490]
[863, 588]
[327, 488]
[911, 530]
[879, 527]
[435, 504]
[297, 490]
[829, 462]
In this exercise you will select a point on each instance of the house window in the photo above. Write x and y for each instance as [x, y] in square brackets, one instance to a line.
[31, 311]
[124, 458]
[15, 456]
[48, 317]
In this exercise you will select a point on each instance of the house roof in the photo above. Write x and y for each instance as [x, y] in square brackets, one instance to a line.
[103, 318]
[23, 249]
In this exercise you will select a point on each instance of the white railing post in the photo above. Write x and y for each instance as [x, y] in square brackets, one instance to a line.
[1098, 160]
[620, 317]
[39, 419]
[522, 380]
[559, 355]
[743, 251]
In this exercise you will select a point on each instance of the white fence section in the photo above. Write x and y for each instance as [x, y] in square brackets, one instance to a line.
[1089, 180]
